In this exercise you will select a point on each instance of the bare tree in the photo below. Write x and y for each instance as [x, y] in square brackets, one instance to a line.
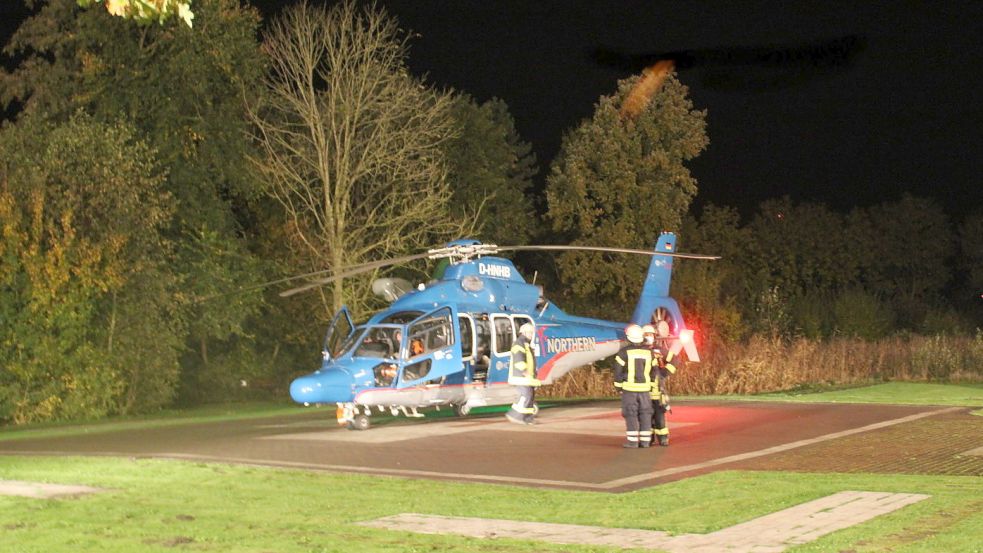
[350, 141]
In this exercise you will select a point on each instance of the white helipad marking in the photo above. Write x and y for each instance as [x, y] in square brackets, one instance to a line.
[378, 435]
[39, 490]
[770, 450]
[595, 421]
[775, 532]
[977, 451]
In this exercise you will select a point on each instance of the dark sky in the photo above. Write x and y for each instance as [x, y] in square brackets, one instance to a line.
[902, 113]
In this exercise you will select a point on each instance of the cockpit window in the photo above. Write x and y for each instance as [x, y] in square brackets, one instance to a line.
[338, 339]
[431, 333]
[381, 342]
[346, 346]
[401, 317]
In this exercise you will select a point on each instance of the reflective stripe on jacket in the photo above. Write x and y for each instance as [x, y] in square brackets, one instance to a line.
[633, 368]
[661, 373]
[522, 367]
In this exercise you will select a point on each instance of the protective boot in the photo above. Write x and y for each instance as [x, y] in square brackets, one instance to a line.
[630, 444]
[645, 443]
[514, 418]
[664, 440]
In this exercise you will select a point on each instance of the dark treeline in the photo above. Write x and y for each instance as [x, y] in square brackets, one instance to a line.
[155, 176]
[801, 269]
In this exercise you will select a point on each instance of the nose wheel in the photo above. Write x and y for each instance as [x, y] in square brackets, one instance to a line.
[359, 422]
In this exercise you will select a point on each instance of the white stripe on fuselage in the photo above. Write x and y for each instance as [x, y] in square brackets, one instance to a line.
[479, 393]
[474, 395]
[564, 362]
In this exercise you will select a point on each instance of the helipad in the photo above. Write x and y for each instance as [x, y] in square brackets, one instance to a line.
[572, 447]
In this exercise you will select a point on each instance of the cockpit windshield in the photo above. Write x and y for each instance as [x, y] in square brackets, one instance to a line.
[347, 344]
[339, 336]
[383, 342]
[401, 317]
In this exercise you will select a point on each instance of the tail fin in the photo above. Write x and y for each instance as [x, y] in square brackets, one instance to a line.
[655, 305]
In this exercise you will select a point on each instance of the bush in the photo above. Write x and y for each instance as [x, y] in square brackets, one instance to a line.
[943, 321]
[236, 374]
[936, 358]
[811, 316]
[857, 313]
[771, 314]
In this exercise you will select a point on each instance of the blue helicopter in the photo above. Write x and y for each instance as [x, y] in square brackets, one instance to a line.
[447, 343]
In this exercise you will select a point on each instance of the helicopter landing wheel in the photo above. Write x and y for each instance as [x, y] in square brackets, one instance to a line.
[462, 410]
[360, 422]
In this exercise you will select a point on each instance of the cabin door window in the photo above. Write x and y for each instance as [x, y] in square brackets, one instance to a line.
[504, 334]
[340, 329]
[432, 348]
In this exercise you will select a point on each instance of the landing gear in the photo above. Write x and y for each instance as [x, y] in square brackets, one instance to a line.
[462, 410]
[359, 422]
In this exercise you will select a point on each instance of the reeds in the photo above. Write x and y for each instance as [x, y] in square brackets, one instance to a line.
[765, 364]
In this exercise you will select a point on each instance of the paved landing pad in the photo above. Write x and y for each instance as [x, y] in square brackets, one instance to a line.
[573, 446]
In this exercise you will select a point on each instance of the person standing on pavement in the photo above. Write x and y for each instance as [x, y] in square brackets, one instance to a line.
[657, 338]
[633, 378]
[522, 375]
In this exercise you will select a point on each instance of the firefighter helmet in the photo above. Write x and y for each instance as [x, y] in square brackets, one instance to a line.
[649, 332]
[634, 334]
[527, 330]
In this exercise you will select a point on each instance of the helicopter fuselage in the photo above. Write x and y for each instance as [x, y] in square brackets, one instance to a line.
[449, 342]
[468, 365]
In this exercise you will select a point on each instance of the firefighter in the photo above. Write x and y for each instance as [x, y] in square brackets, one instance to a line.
[633, 378]
[657, 338]
[522, 375]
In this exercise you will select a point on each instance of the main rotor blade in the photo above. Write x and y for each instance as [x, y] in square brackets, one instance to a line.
[606, 249]
[352, 271]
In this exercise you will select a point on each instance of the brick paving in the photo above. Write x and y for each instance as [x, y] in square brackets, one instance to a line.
[39, 490]
[940, 445]
[767, 534]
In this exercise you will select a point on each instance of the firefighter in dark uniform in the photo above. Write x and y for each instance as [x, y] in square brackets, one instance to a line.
[633, 377]
[657, 338]
[522, 375]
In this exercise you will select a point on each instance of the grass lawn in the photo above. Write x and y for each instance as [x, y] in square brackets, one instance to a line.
[162, 505]
[168, 506]
[897, 393]
[210, 413]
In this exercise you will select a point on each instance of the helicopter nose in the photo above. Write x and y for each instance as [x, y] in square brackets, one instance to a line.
[326, 386]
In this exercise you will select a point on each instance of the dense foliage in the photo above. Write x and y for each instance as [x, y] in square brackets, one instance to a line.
[85, 294]
[622, 181]
[490, 170]
[181, 91]
[803, 270]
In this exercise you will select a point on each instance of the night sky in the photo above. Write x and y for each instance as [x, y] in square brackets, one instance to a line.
[902, 112]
